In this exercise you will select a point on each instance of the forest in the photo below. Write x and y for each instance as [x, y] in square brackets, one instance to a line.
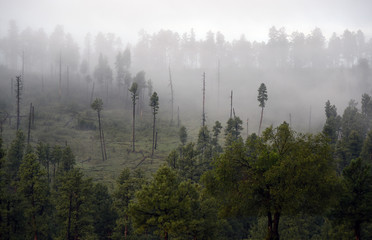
[176, 137]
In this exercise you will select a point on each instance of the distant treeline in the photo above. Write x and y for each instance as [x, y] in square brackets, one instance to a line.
[39, 52]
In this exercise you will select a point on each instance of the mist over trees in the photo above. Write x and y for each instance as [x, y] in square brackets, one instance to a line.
[209, 178]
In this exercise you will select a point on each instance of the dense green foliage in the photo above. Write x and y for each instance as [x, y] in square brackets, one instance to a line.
[282, 184]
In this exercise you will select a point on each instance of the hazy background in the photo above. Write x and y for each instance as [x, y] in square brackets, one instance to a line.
[159, 34]
[235, 17]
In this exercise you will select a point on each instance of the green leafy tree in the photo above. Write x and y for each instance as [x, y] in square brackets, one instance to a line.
[366, 153]
[44, 156]
[164, 204]
[333, 122]
[367, 109]
[203, 145]
[102, 212]
[215, 134]
[354, 207]
[183, 135]
[73, 201]
[154, 104]
[67, 159]
[233, 130]
[134, 92]
[274, 176]
[126, 186]
[56, 158]
[262, 98]
[15, 154]
[3, 193]
[353, 131]
[33, 187]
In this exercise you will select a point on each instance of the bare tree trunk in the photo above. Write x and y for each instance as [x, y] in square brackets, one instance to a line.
[357, 230]
[203, 115]
[100, 135]
[218, 84]
[153, 135]
[259, 128]
[231, 104]
[18, 95]
[133, 127]
[104, 144]
[29, 125]
[60, 77]
[91, 95]
[172, 93]
[156, 139]
[276, 226]
[178, 116]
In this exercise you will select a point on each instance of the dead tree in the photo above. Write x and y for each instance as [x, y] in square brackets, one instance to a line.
[29, 125]
[218, 84]
[172, 93]
[203, 114]
[18, 90]
[60, 77]
[91, 95]
[231, 104]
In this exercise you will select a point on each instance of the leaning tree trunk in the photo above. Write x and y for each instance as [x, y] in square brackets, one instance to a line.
[259, 129]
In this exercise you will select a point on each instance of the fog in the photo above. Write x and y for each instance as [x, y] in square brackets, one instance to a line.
[306, 52]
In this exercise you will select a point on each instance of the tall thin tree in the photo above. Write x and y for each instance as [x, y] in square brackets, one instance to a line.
[97, 105]
[203, 114]
[231, 103]
[262, 98]
[134, 93]
[18, 90]
[154, 104]
[172, 93]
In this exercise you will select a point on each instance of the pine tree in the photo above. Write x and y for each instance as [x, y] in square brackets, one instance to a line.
[15, 154]
[97, 106]
[134, 92]
[126, 186]
[154, 104]
[73, 205]
[33, 187]
[262, 98]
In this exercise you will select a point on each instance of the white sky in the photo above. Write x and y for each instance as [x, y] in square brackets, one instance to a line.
[233, 18]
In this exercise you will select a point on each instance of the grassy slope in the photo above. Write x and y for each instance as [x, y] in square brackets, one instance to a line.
[57, 123]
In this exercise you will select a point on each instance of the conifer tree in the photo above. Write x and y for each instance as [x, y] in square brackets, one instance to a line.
[97, 105]
[134, 92]
[154, 104]
[33, 187]
[262, 98]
